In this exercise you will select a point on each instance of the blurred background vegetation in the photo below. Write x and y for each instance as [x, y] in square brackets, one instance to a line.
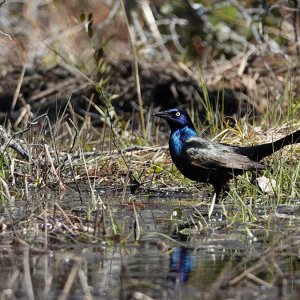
[231, 57]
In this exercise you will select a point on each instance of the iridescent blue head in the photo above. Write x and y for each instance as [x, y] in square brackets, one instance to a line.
[176, 118]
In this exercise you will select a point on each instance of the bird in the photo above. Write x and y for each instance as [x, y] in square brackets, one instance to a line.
[207, 161]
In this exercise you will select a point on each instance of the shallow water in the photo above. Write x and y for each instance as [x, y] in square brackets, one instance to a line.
[178, 256]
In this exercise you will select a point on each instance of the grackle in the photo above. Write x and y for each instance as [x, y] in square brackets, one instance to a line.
[207, 161]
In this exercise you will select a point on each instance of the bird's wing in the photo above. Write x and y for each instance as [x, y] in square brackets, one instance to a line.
[207, 154]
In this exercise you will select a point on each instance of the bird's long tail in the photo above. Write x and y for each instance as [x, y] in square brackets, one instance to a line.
[258, 152]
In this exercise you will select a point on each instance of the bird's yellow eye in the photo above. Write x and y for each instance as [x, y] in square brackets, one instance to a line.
[178, 114]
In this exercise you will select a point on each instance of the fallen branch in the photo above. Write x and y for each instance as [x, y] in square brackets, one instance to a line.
[8, 141]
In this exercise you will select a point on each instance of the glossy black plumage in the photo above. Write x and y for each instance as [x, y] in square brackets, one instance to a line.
[207, 161]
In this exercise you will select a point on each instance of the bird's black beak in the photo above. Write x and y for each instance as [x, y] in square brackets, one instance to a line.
[162, 114]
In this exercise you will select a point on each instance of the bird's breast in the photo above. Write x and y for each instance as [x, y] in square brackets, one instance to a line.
[178, 140]
[176, 145]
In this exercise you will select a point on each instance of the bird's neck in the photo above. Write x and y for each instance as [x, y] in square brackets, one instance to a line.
[178, 138]
[184, 133]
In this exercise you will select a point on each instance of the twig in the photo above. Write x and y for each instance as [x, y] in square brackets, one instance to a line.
[74, 178]
[5, 34]
[247, 17]
[74, 70]
[154, 29]
[52, 139]
[84, 283]
[111, 15]
[65, 216]
[69, 282]
[17, 91]
[259, 281]
[136, 69]
[54, 89]
[6, 189]
[75, 136]
[50, 160]
[25, 111]
[27, 274]
[295, 23]
[8, 141]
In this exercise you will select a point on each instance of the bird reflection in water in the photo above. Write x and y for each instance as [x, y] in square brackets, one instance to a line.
[182, 263]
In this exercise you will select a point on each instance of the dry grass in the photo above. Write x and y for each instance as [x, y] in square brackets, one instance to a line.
[90, 171]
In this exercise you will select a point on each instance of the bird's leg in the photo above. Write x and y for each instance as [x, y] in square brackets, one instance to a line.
[220, 190]
[212, 205]
[254, 175]
[218, 194]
